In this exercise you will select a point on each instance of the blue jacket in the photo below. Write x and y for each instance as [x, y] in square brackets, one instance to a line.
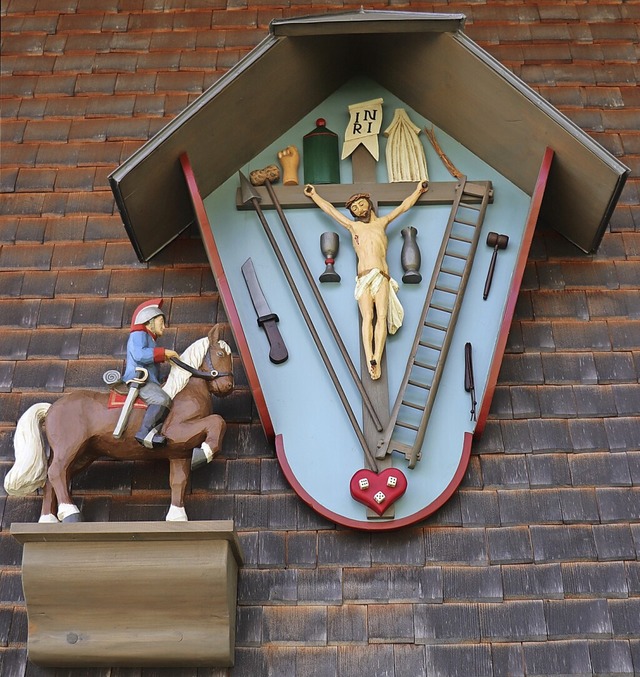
[142, 352]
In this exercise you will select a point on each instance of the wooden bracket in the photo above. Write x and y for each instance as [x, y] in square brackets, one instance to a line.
[130, 593]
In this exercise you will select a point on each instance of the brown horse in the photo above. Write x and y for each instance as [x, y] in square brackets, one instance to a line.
[79, 429]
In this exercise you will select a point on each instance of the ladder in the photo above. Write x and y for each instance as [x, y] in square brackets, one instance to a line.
[410, 414]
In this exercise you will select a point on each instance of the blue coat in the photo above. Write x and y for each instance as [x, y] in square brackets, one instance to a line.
[142, 352]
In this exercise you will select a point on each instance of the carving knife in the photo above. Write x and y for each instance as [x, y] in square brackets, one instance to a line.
[266, 319]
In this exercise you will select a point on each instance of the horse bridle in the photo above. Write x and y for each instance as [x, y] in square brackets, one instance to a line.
[210, 375]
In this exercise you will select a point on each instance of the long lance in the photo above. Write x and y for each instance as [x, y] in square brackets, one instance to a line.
[249, 195]
[323, 307]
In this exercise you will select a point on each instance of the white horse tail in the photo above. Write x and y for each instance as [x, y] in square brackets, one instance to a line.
[29, 472]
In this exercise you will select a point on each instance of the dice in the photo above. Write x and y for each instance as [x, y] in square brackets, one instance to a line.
[363, 484]
[392, 481]
[379, 497]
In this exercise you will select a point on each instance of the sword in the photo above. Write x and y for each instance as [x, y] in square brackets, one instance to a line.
[134, 387]
[266, 319]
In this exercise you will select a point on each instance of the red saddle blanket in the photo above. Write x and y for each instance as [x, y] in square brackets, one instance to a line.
[116, 401]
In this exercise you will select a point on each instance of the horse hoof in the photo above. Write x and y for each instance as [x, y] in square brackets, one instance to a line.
[198, 458]
[48, 519]
[68, 512]
[75, 517]
[176, 514]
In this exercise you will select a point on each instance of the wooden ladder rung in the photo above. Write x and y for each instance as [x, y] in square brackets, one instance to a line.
[441, 307]
[424, 386]
[471, 205]
[413, 405]
[428, 344]
[433, 325]
[405, 449]
[447, 290]
[464, 222]
[424, 365]
[408, 426]
[462, 257]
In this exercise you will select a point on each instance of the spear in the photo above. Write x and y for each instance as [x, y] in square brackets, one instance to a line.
[250, 195]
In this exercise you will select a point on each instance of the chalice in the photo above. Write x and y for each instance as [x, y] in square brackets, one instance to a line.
[329, 245]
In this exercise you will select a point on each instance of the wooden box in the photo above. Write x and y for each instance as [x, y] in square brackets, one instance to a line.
[130, 594]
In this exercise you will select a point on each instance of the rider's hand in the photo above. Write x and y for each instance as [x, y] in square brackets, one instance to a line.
[168, 354]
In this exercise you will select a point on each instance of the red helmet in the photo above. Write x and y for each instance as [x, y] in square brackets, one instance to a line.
[146, 311]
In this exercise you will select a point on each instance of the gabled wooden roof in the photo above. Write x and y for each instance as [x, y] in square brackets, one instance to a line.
[424, 59]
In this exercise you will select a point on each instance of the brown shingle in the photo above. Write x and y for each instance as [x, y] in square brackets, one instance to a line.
[78, 255]
[39, 375]
[75, 178]
[35, 180]
[39, 284]
[83, 283]
[29, 257]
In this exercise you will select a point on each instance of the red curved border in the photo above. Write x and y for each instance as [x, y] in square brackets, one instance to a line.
[512, 299]
[225, 294]
[374, 525]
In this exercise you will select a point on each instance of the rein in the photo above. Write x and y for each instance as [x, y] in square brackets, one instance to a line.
[205, 375]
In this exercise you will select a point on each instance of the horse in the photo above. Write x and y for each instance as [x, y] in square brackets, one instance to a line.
[79, 429]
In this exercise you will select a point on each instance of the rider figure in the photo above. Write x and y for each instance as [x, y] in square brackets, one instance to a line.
[146, 326]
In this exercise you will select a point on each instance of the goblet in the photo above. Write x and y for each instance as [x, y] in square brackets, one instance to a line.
[329, 245]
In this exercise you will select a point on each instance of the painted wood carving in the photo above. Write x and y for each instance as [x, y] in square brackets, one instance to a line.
[406, 160]
[376, 290]
[177, 425]
[371, 426]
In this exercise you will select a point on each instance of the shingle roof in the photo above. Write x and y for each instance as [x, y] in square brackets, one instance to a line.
[531, 567]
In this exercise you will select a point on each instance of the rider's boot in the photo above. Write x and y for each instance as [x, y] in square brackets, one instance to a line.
[149, 435]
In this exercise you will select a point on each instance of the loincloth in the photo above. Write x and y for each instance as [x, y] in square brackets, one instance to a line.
[370, 282]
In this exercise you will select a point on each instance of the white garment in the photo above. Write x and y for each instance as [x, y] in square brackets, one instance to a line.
[371, 282]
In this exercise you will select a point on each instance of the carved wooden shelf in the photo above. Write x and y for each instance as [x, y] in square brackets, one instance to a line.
[130, 593]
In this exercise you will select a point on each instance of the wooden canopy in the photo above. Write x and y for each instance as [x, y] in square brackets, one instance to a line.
[426, 61]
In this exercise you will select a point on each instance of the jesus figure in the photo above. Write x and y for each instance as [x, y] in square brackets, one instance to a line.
[375, 291]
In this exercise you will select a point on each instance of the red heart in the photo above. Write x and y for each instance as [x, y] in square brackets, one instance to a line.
[378, 490]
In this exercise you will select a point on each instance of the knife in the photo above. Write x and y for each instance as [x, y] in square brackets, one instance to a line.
[266, 319]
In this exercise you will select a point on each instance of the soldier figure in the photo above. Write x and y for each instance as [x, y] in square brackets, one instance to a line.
[147, 325]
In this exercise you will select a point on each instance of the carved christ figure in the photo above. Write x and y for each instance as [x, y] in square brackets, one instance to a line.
[375, 291]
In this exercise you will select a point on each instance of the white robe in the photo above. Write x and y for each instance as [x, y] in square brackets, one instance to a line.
[370, 282]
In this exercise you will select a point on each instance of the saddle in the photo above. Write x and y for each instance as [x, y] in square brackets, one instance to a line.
[118, 394]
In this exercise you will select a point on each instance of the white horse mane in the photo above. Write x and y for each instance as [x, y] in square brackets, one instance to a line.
[193, 356]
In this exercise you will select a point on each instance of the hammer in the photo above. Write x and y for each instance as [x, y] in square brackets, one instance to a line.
[497, 242]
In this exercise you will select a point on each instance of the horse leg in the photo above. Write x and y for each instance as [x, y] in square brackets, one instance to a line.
[215, 428]
[179, 469]
[59, 477]
[49, 505]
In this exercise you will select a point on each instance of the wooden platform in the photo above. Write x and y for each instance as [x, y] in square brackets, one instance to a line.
[130, 594]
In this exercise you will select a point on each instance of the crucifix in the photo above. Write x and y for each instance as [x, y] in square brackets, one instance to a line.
[376, 411]
[380, 309]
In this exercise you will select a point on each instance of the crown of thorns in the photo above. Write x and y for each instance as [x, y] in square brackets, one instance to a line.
[355, 198]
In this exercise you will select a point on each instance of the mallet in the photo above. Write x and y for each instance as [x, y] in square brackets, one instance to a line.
[497, 242]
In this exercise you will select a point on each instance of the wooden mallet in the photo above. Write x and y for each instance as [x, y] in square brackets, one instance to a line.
[497, 242]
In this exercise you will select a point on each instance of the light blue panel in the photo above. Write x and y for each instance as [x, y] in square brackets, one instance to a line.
[319, 441]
